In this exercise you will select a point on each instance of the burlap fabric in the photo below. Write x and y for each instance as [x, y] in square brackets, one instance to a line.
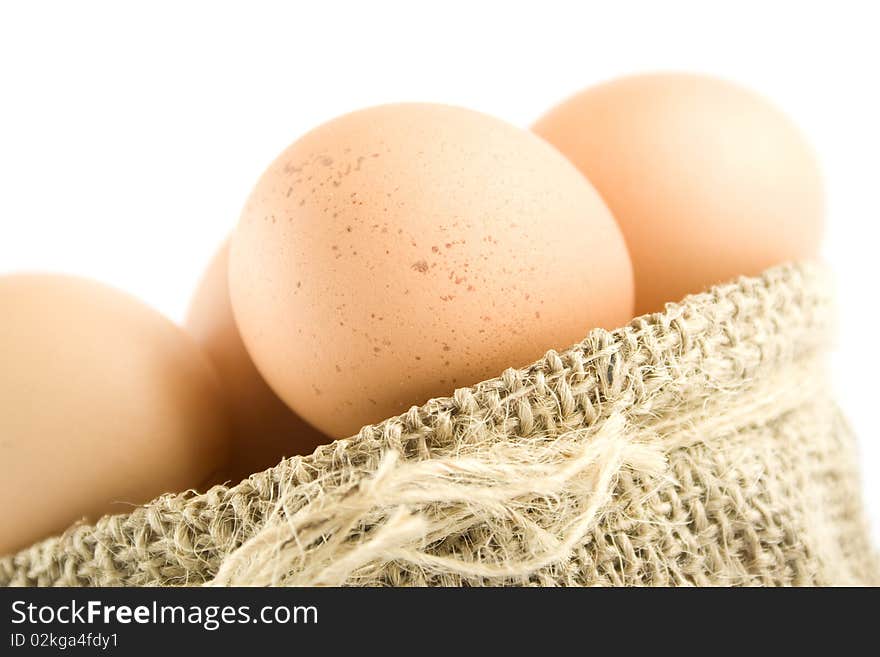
[697, 446]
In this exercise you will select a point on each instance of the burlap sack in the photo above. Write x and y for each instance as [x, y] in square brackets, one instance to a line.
[697, 446]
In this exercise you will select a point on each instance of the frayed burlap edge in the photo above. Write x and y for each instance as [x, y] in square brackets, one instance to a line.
[695, 446]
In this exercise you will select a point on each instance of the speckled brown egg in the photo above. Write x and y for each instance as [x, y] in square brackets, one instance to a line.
[399, 252]
[104, 404]
[265, 429]
[708, 180]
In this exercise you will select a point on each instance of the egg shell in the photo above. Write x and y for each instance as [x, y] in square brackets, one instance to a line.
[265, 430]
[104, 404]
[708, 180]
[399, 252]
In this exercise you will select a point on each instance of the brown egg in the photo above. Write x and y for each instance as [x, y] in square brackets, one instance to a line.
[265, 430]
[104, 404]
[707, 180]
[399, 252]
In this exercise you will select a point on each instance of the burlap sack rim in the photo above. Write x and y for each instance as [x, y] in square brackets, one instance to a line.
[753, 323]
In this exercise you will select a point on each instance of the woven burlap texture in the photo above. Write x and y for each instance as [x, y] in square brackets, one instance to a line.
[696, 446]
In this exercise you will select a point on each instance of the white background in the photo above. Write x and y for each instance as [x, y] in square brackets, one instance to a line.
[131, 134]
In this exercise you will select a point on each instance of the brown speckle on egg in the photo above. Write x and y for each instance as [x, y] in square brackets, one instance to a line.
[483, 199]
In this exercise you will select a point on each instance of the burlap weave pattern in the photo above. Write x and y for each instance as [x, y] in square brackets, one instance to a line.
[697, 446]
